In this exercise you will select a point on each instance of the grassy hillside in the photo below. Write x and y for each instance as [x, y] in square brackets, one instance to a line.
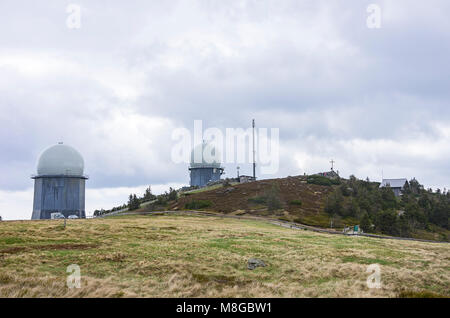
[193, 256]
[418, 213]
[299, 201]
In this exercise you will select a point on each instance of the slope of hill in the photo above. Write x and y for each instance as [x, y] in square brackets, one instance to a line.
[193, 256]
[299, 201]
[418, 213]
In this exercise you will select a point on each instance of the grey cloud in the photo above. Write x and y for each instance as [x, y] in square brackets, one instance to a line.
[311, 68]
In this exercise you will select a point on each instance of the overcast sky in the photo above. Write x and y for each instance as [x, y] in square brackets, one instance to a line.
[115, 89]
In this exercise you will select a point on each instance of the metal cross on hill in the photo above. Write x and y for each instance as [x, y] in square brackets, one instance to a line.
[332, 164]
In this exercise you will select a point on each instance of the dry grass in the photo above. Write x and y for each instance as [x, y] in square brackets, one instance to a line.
[193, 256]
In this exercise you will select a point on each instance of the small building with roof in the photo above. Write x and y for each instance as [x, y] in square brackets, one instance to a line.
[245, 179]
[397, 185]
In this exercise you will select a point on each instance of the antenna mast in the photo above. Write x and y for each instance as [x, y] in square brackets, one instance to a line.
[254, 162]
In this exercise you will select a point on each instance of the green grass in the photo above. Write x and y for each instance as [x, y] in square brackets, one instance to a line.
[213, 187]
[364, 260]
[194, 256]
[11, 240]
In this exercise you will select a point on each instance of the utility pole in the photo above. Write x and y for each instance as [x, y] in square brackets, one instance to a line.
[254, 162]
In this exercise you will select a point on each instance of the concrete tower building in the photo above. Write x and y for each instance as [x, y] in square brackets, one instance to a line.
[59, 185]
[205, 165]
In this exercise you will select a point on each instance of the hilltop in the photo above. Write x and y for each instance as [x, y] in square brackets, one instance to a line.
[314, 200]
[325, 203]
[296, 200]
[198, 256]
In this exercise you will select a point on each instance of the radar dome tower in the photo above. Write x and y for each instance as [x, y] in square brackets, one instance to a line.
[205, 165]
[59, 185]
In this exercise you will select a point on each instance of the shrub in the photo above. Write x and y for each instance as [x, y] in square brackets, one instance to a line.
[365, 224]
[148, 195]
[296, 202]
[133, 202]
[386, 222]
[198, 204]
[335, 181]
[173, 195]
[258, 200]
[334, 203]
[273, 199]
[270, 198]
[321, 180]
[161, 200]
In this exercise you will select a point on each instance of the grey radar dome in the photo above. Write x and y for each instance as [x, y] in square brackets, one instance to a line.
[60, 159]
[205, 155]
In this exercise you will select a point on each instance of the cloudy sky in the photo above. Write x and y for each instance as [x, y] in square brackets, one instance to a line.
[373, 99]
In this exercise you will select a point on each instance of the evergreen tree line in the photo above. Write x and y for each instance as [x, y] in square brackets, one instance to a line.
[380, 211]
[134, 202]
